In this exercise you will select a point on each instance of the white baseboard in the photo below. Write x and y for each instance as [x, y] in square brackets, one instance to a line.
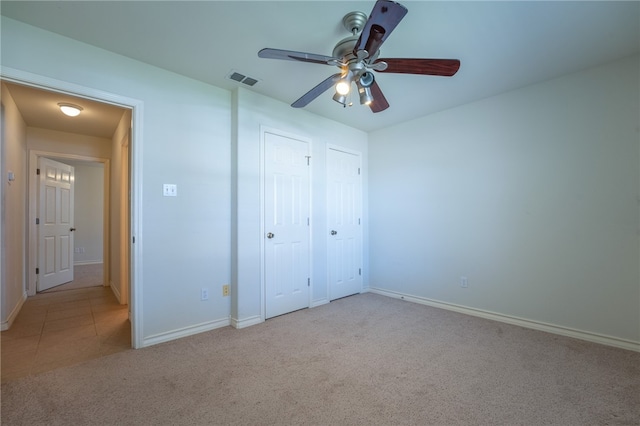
[88, 262]
[116, 291]
[316, 303]
[246, 322]
[535, 325]
[6, 324]
[184, 332]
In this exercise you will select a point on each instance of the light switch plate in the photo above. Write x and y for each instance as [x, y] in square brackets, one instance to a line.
[170, 190]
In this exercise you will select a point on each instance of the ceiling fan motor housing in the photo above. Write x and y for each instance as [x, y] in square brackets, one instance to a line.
[344, 49]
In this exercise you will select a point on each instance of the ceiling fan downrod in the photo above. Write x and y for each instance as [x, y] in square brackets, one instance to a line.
[354, 22]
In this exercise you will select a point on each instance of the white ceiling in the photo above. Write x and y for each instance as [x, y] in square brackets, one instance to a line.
[40, 109]
[501, 45]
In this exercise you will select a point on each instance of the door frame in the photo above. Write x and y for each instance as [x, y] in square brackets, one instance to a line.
[332, 147]
[33, 240]
[135, 173]
[263, 282]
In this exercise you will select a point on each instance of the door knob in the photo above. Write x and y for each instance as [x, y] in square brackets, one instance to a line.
[333, 232]
[72, 229]
[270, 235]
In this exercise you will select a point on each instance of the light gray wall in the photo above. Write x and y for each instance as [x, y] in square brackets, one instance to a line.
[67, 143]
[88, 211]
[532, 195]
[14, 213]
[185, 141]
[119, 177]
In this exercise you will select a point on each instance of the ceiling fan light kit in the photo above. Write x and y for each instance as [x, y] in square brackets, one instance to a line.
[357, 55]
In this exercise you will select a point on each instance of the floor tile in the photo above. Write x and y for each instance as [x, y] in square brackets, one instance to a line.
[114, 315]
[66, 323]
[71, 353]
[33, 316]
[19, 346]
[73, 304]
[62, 337]
[68, 313]
[61, 328]
[22, 330]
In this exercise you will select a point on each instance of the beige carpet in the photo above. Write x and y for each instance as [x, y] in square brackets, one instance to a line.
[83, 276]
[362, 360]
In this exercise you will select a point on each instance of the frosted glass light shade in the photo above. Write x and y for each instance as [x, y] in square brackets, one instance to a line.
[70, 109]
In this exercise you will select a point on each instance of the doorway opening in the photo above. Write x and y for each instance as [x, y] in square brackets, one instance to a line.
[120, 193]
[81, 239]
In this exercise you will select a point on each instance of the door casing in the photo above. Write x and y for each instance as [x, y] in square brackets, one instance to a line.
[137, 112]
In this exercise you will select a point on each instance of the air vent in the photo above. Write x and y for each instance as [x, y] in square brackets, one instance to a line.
[241, 78]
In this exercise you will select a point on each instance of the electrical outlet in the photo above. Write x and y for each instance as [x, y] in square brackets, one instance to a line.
[464, 283]
[204, 294]
[225, 290]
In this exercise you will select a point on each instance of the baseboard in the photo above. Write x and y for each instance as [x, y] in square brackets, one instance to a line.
[184, 332]
[116, 291]
[246, 322]
[6, 324]
[535, 325]
[316, 303]
[88, 262]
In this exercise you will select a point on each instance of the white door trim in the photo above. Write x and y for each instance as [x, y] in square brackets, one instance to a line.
[136, 106]
[274, 131]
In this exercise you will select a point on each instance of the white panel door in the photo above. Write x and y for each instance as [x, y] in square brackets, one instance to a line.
[344, 205]
[286, 224]
[55, 229]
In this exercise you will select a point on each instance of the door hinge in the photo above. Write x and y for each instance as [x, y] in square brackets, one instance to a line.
[358, 170]
[358, 221]
[307, 221]
[37, 171]
[308, 282]
[37, 221]
[307, 157]
[133, 240]
[359, 271]
[37, 271]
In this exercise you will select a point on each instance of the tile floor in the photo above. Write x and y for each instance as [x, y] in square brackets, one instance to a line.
[63, 328]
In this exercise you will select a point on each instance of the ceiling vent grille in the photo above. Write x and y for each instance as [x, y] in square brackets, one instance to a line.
[241, 78]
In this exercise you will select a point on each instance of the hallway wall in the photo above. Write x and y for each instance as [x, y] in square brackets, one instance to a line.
[14, 210]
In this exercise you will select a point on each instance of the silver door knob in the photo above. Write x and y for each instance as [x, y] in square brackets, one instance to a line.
[333, 232]
[270, 235]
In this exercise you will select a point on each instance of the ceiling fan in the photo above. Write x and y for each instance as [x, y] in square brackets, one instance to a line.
[357, 56]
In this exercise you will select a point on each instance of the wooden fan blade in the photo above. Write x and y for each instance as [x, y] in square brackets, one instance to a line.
[385, 16]
[442, 67]
[291, 55]
[379, 101]
[316, 91]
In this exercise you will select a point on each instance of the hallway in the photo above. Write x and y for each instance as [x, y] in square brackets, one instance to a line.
[62, 328]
